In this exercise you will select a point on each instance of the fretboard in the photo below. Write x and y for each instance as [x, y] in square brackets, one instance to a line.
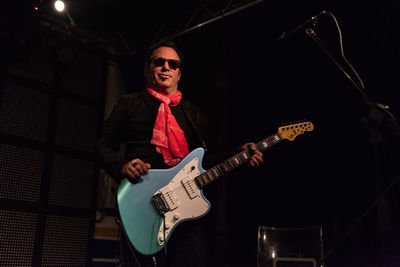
[233, 162]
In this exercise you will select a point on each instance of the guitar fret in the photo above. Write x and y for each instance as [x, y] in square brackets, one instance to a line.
[221, 171]
[272, 140]
[236, 161]
[205, 178]
[214, 175]
[200, 180]
[226, 166]
[260, 146]
[203, 181]
[240, 158]
[229, 164]
[209, 177]
[232, 161]
[214, 170]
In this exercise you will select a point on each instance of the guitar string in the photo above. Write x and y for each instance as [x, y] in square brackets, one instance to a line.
[230, 164]
[217, 171]
[224, 167]
[213, 173]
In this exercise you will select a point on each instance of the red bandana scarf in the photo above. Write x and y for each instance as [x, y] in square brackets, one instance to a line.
[168, 137]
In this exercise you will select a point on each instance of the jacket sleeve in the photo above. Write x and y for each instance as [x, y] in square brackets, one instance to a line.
[111, 138]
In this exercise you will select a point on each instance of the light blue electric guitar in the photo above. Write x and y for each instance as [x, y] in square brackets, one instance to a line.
[151, 208]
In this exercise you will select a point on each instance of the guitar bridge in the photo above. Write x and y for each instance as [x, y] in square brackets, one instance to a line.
[159, 203]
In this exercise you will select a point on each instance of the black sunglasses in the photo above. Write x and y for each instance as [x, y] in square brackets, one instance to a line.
[172, 63]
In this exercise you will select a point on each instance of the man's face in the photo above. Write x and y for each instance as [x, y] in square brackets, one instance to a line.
[161, 73]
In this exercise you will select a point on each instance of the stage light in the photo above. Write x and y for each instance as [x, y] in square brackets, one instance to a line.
[59, 5]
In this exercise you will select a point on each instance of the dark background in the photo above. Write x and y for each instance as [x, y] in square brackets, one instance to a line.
[342, 176]
[332, 176]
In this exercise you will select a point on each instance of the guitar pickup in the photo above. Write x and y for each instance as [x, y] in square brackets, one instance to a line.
[190, 187]
[169, 198]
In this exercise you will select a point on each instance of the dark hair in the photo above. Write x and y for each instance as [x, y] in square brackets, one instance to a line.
[165, 42]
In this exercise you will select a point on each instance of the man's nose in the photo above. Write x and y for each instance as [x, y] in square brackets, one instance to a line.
[166, 65]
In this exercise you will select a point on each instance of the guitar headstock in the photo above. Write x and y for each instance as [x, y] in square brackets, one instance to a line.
[290, 132]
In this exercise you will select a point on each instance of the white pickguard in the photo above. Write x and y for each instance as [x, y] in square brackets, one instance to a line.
[184, 199]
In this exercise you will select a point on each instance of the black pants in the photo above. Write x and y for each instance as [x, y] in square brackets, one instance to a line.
[187, 246]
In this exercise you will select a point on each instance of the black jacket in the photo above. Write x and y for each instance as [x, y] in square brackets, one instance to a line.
[131, 123]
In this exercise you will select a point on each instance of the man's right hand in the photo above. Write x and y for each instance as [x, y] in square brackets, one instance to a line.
[134, 169]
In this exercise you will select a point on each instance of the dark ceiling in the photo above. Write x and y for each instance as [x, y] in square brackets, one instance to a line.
[129, 25]
[124, 25]
[137, 22]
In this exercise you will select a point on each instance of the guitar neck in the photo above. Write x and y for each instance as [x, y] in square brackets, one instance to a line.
[233, 162]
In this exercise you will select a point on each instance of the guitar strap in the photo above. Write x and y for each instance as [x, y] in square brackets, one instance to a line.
[186, 111]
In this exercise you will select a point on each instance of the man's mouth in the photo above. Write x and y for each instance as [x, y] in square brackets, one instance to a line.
[164, 76]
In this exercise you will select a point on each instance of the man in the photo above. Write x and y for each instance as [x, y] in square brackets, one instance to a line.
[159, 128]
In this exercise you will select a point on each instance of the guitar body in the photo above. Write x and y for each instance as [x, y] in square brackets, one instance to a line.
[148, 230]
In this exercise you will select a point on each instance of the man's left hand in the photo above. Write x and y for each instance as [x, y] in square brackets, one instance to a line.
[256, 156]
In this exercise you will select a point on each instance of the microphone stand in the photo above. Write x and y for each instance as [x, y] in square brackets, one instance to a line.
[376, 116]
